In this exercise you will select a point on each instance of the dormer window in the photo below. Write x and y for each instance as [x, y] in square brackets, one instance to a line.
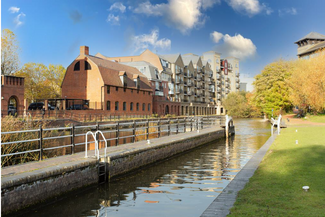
[136, 79]
[123, 78]
[87, 66]
[77, 66]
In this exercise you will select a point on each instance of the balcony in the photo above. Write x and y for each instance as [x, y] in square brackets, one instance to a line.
[159, 93]
[237, 86]
[185, 83]
[171, 92]
[218, 77]
[178, 71]
[237, 80]
[218, 96]
[218, 89]
[237, 74]
[178, 81]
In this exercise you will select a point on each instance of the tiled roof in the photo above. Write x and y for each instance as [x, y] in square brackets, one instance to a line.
[312, 35]
[110, 72]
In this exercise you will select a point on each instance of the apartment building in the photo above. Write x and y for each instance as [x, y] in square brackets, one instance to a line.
[225, 72]
[119, 89]
[187, 100]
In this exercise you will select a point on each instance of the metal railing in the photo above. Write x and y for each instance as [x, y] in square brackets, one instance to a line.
[75, 140]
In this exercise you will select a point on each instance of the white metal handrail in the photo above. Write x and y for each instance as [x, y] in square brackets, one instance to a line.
[98, 131]
[86, 144]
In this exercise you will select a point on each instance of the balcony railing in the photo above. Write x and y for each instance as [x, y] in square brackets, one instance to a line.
[159, 93]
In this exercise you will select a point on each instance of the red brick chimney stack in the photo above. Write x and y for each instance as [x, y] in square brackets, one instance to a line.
[84, 50]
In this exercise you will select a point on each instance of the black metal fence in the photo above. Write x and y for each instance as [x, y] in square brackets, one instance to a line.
[39, 144]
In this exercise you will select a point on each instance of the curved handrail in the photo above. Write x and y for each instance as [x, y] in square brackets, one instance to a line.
[278, 122]
[86, 144]
[98, 131]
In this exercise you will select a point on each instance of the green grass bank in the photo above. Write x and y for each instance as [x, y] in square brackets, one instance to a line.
[276, 187]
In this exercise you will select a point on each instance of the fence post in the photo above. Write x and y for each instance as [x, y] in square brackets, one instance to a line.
[191, 120]
[184, 125]
[159, 128]
[147, 136]
[197, 123]
[134, 125]
[201, 123]
[177, 126]
[40, 142]
[168, 129]
[117, 132]
[72, 139]
[97, 136]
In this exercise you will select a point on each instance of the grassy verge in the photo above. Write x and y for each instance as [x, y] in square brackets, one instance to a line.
[316, 118]
[276, 187]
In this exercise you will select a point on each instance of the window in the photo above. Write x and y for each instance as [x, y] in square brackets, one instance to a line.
[116, 89]
[137, 106]
[124, 106]
[116, 106]
[143, 106]
[77, 66]
[108, 105]
[149, 105]
[131, 106]
[87, 66]
[108, 90]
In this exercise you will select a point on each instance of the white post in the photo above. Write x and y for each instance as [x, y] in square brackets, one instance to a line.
[227, 127]
[279, 123]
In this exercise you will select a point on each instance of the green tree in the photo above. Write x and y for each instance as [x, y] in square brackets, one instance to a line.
[9, 52]
[271, 90]
[42, 82]
[237, 106]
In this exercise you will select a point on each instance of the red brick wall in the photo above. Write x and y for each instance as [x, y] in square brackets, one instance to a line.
[128, 96]
[12, 87]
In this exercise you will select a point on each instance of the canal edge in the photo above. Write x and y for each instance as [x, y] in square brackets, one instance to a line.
[222, 204]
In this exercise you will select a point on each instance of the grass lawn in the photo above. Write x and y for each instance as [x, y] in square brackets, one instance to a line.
[276, 187]
[316, 118]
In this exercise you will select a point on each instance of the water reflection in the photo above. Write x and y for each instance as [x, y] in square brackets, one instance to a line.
[181, 186]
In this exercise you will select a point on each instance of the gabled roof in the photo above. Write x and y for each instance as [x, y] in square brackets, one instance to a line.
[149, 71]
[170, 57]
[312, 35]
[110, 72]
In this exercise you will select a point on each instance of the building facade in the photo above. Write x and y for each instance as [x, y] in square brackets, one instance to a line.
[107, 85]
[12, 95]
[308, 45]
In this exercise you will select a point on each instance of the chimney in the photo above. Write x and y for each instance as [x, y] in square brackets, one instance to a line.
[84, 50]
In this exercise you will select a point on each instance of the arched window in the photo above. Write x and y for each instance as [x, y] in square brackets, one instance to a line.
[116, 106]
[131, 106]
[87, 66]
[77, 66]
[137, 106]
[124, 106]
[108, 105]
[149, 105]
[143, 106]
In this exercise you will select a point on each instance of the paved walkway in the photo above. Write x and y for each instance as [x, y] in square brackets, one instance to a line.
[222, 204]
[18, 172]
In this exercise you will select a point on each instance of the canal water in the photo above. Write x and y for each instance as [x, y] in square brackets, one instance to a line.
[181, 186]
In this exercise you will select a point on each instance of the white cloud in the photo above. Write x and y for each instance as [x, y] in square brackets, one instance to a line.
[236, 46]
[115, 20]
[183, 15]
[289, 11]
[216, 36]
[13, 9]
[147, 41]
[249, 7]
[17, 20]
[151, 10]
[239, 47]
[118, 6]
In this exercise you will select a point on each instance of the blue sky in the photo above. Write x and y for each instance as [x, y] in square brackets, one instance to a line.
[256, 31]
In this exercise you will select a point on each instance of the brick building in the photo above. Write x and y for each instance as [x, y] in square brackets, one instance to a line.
[108, 85]
[12, 95]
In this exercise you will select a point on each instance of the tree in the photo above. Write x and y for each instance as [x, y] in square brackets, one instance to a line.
[237, 106]
[307, 83]
[9, 52]
[271, 90]
[42, 82]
